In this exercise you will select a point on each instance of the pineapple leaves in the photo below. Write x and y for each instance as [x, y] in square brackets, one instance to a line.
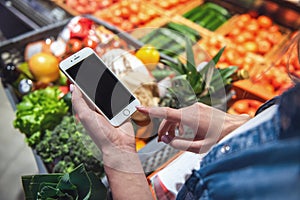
[205, 81]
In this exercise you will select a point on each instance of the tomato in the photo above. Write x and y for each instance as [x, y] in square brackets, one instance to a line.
[149, 55]
[264, 21]
[104, 3]
[274, 37]
[116, 21]
[245, 17]
[125, 3]
[89, 42]
[151, 12]
[143, 17]
[126, 25]
[252, 26]
[134, 7]
[134, 20]
[250, 46]
[164, 4]
[264, 46]
[74, 45]
[125, 12]
[273, 28]
[117, 12]
[241, 107]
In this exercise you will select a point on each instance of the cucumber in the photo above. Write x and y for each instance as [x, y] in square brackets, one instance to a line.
[218, 8]
[160, 40]
[206, 20]
[178, 39]
[192, 12]
[185, 30]
[216, 23]
[202, 13]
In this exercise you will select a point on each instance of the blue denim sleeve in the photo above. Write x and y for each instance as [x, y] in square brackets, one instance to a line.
[261, 163]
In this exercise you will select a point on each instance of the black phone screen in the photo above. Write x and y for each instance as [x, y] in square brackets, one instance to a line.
[101, 85]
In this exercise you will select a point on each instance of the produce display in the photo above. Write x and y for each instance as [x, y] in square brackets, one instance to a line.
[86, 6]
[128, 15]
[208, 15]
[44, 111]
[170, 39]
[39, 111]
[245, 106]
[255, 33]
[169, 4]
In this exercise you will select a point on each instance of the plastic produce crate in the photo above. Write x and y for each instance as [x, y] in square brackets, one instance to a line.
[154, 154]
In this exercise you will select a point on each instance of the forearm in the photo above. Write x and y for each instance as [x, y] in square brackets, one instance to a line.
[232, 122]
[216, 123]
[126, 176]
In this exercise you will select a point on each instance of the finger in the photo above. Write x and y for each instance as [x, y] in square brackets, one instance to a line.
[181, 129]
[184, 143]
[164, 128]
[161, 112]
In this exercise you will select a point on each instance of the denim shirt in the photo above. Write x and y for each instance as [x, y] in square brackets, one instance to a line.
[262, 162]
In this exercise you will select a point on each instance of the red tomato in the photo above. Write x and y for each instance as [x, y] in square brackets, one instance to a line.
[89, 42]
[264, 21]
[264, 46]
[241, 107]
[74, 45]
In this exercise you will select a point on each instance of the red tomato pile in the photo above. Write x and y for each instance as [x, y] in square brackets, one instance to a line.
[233, 55]
[168, 4]
[274, 80]
[127, 15]
[245, 106]
[88, 6]
[256, 34]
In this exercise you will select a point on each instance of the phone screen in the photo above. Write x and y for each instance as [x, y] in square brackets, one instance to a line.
[101, 85]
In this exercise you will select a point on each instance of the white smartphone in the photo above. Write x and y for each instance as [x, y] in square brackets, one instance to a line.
[100, 86]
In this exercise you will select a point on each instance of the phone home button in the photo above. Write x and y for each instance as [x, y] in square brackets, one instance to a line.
[126, 112]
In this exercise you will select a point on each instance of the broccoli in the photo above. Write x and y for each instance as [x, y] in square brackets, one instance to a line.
[67, 146]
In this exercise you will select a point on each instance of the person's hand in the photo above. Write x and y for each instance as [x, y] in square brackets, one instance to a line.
[120, 158]
[207, 124]
[116, 143]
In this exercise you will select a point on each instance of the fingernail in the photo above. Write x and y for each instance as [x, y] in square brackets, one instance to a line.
[165, 139]
[71, 88]
[158, 139]
[141, 108]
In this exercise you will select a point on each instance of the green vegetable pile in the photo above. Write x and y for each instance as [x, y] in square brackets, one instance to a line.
[170, 40]
[209, 15]
[39, 111]
[78, 184]
[67, 146]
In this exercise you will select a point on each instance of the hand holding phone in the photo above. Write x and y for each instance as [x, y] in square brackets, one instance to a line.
[100, 86]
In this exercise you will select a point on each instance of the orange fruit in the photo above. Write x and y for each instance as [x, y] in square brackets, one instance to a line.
[44, 67]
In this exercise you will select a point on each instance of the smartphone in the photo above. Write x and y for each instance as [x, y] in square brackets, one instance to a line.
[100, 86]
